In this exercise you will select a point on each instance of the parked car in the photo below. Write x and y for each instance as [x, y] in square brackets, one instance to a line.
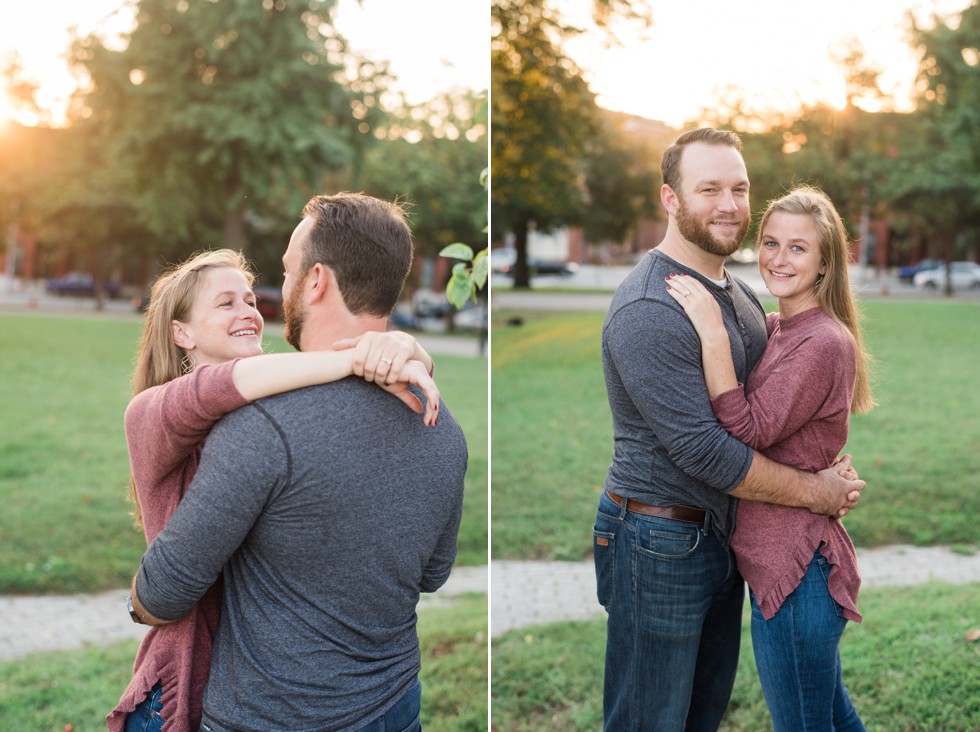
[964, 276]
[503, 261]
[268, 301]
[79, 283]
[430, 305]
[907, 274]
[141, 302]
[472, 316]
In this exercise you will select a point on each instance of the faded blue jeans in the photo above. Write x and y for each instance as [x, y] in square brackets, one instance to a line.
[674, 601]
[797, 652]
[405, 716]
[147, 717]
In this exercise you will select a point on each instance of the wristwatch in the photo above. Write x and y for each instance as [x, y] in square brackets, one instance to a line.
[132, 611]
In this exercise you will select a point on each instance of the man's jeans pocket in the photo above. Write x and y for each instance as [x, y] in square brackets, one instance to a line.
[604, 549]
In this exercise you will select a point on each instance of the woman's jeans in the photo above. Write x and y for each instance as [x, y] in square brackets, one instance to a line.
[674, 600]
[147, 715]
[797, 653]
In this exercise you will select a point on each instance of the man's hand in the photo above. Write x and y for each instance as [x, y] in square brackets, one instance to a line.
[841, 489]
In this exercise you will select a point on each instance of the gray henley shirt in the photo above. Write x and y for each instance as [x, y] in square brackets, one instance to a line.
[668, 447]
[329, 509]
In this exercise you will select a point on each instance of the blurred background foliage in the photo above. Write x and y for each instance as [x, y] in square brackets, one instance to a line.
[212, 124]
[560, 160]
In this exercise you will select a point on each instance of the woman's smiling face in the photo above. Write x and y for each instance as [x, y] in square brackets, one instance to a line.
[790, 260]
[224, 323]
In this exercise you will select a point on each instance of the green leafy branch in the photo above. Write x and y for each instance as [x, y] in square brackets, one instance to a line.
[469, 275]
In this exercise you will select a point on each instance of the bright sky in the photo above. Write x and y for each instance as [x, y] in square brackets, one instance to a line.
[433, 45]
[777, 51]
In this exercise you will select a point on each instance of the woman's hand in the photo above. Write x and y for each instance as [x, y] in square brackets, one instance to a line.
[381, 356]
[699, 305]
[415, 372]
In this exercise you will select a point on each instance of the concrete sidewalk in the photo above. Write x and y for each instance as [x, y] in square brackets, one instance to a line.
[533, 593]
[39, 624]
[523, 594]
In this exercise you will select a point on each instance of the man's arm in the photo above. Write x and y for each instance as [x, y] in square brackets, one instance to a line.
[214, 517]
[140, 613]
[679, 411]
[832, 492]
[653, 360]
[440, 564]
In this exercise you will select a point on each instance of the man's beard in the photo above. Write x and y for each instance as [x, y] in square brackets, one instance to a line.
[697, 232]
[292, 315]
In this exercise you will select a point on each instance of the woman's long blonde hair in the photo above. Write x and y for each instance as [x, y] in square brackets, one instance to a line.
[833, 288]
[158, 358]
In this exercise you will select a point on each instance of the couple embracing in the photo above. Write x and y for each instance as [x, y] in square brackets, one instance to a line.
[727, 424]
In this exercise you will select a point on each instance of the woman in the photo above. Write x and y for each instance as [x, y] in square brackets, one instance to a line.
[801, 568]
[199, 358]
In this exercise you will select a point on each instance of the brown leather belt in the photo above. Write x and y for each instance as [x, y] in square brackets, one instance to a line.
[678, 513]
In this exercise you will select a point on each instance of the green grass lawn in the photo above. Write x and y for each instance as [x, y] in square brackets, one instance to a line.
[919, 449]
[909, 667]
[75, 690]
[64, 471]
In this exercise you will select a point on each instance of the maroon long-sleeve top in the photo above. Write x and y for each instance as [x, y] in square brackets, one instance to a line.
[165, 430]
[795, 409]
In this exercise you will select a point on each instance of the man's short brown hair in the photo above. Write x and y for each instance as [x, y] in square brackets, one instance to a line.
[670, 165]
[367, 244]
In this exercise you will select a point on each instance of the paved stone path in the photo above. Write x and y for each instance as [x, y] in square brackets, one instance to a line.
[523, 594]
[532, 593]
[38, 624]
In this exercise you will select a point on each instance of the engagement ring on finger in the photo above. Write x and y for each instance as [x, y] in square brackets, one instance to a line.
[386, 360]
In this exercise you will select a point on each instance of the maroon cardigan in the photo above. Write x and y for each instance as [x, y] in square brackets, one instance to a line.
[165, 430]
[795, 409]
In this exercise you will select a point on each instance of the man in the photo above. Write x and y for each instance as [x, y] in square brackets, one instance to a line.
[664, 570]
[328, 509]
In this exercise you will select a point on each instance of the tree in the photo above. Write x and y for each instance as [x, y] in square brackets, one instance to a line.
[623, 182]
[546, 130]
[431, 160]
[220, 107]
[942, 188]
[542, 119]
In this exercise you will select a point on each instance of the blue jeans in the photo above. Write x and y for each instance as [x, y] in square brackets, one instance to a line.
[674, 602]
[797, 652]
[405, 716]
[147, 715]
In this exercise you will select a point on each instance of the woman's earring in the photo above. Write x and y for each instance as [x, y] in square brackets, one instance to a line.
[186, 365]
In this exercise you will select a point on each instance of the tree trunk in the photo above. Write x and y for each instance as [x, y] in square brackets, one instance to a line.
[522, 276]
[234, 229]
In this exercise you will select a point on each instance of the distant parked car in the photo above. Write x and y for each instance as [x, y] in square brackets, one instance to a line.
[141, 302]
[503, 261]
[268, 301]
[79, 283]
[907, 274]
[471, 316]
[964, 275]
